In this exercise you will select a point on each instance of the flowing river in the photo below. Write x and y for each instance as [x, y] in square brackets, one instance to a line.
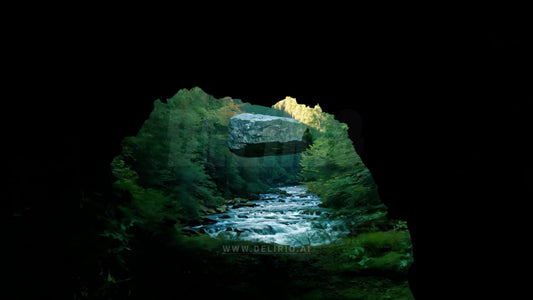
[291, 217]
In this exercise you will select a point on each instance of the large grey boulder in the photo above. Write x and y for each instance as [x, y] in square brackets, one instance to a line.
[261, 135]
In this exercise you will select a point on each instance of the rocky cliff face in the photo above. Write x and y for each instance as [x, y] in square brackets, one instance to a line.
[261, 135]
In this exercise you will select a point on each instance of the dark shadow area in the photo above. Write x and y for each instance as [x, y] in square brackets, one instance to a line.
[271, 148]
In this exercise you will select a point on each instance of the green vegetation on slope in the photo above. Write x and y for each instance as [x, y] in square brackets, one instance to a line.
[331, 167]
[181, 154]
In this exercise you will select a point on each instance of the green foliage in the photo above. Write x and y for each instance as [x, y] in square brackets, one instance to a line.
[312, 117]
[330, 167]
[120, 235]
[391, 261]
[377, 242]
[356, 272]
[263, 110]
[145, 207]
[179, 161]
[381, 250]
[400, 225]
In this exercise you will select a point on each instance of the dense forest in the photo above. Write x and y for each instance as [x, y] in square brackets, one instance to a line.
[178, 168]
[179, 164]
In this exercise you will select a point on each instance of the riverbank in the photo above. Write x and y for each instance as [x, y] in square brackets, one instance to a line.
[288, 246]
[333, 271]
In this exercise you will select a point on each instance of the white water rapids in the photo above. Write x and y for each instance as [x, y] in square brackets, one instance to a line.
[292, 218]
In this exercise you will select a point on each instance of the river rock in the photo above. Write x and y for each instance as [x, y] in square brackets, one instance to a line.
[239, 200]
[244, 204]
[254, 135]
[207, 210]
[221, 208]
[207, 220]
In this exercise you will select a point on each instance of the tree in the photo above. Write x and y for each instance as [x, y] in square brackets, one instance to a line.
[330, 167]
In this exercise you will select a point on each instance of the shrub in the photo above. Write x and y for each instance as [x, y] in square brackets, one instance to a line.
[379, 242]
[381, 251]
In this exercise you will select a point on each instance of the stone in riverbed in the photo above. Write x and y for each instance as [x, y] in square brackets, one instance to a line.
[254, 135]
[207, 220]
[207, 210]
[221, 208]
[244, 204]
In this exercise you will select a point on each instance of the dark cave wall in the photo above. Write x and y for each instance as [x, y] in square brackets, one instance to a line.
[443, 131]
